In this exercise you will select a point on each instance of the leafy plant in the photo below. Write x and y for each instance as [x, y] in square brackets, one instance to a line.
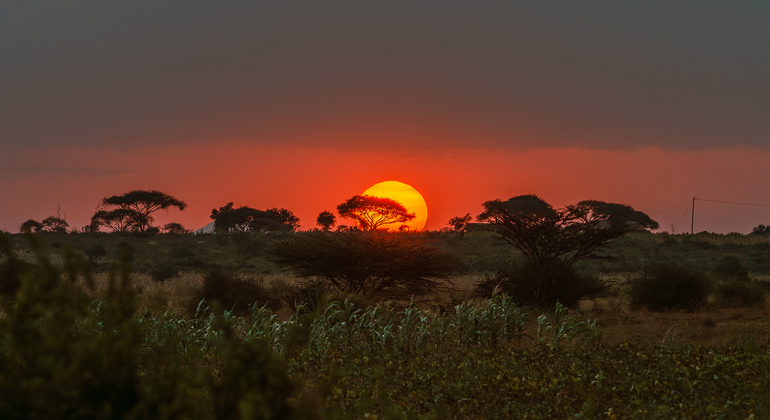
[667, 286]
[385, 264]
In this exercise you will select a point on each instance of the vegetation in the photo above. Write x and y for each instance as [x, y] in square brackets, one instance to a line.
[220, 338]
[326, 220]
[246, 219]
[457, 224]
[133, 210]
[551, 241]
[667, 287]
[379, 263]
[372, 212]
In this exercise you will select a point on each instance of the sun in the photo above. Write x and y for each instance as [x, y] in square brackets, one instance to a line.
[407, 196]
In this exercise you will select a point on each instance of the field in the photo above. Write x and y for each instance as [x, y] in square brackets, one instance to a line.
[289, 350]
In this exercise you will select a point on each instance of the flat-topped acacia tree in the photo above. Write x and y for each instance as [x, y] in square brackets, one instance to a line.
[133, 210]
[372, 212]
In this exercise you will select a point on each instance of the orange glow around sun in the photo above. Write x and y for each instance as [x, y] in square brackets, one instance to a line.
[407, 196]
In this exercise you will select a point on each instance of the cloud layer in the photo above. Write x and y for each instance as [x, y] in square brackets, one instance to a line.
[385, 75]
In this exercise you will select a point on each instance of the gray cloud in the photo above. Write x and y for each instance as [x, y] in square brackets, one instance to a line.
[679, 75]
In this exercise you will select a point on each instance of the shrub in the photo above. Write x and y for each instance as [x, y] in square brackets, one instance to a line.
[163, 272]
[234, 294]
[96, 251]
[10, 269]
[667, 286]
[389, 265]
[525, 287]
[729, 266]
[741, 293]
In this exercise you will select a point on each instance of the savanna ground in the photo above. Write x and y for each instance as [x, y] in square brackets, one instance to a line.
[448, 353]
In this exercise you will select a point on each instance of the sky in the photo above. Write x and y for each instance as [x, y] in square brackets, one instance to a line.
[301, 105]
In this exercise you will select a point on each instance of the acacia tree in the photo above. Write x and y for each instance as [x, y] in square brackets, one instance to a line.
[246, 219]
[458, 223]
[619, 215]
[118, 220]
[372, 212]
[139, 205]
[551, 240]
[326, 220]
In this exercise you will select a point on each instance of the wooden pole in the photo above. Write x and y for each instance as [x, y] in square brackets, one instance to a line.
[692, 222]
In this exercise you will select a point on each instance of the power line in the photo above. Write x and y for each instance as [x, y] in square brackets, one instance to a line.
[672, 207]
[732, 202]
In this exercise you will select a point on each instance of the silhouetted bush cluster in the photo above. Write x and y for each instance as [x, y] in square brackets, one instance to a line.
[383, 264]
[741, 293]
[233, 294]
[667, 286]
[523, 284]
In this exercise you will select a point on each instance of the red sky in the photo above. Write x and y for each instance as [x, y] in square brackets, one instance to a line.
[453, 182]
[301, 104]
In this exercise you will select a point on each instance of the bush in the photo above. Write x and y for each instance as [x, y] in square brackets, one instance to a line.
[233, 294]
[729, 266]
[666, 286]
[741, 293]
[10, 269]
[96, 251]
[388, 265]
[522, 284]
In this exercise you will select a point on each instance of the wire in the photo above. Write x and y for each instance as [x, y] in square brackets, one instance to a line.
[672, 207]
[683, 216]
[731, 202]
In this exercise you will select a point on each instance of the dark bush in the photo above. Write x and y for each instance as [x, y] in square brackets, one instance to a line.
[667, 286]
[388, 265]
[96, 251]
[741, 293]
[234, 294]
[10, 270]
[522, 284]
[729, 266]
[164, 272]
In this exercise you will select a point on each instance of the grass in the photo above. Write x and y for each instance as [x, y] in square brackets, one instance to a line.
[442, 355]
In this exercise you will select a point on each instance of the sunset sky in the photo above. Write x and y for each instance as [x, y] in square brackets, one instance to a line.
[304, 104]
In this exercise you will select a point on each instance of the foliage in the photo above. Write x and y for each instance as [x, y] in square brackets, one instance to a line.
[117, 220]
[326, 220]
[458, 223]
[175, 229]
[741, 293]
[521, 283]
[54, 224]
[667, 286]
[30, 226]
[386, 264]
[234, 294]
[760, 230]
[64, 356]
[550, 240]
[620, 215]
[372, 212]
[246, 219]
[137, 207]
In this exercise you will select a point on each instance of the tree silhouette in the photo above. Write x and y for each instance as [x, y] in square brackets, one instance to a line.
[118, 220]
[551, 240]
[372, 212]
[31, 226]
[326, 220]
[619, 215]
[175, 228]
[139, 205]
[458, 223]
[246, 219]
[54, 224]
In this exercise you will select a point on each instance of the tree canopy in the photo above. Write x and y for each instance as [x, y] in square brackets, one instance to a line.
[246, 219]
[458, 223]
[552, 240]
[372, 212]
[620, 215]
[133, 210]
[326, 220]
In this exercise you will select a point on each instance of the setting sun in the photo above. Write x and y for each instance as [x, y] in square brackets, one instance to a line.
[407, 196]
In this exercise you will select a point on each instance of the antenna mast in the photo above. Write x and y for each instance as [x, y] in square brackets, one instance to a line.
[692, 222]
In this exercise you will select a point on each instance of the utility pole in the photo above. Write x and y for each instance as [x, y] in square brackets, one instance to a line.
[692, 222]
